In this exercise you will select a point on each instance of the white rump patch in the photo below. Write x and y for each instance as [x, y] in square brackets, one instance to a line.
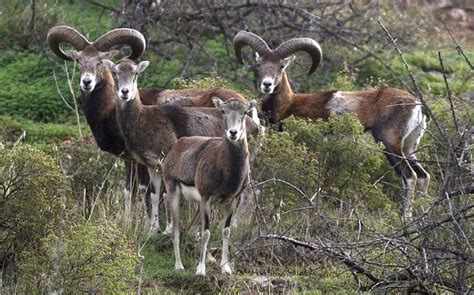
[416, 126]
[342, 103]
[190, 193]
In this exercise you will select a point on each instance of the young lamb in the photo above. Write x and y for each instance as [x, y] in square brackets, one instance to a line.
[210, 170]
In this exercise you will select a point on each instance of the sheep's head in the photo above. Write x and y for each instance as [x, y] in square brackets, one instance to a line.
[126, 72]
[272, 63]
[234, 113]
[89, 55]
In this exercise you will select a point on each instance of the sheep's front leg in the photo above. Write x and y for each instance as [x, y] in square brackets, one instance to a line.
[205, 210]
[228, 211]
[127, 192]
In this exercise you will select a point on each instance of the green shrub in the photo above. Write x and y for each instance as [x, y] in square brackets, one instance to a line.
[350, 163]
[30, 199]
[20, 29]
[43, 135]
[93, 176]
[426, 67]
[210, 82]
[82, 258]
[333, 160]
[31, 92]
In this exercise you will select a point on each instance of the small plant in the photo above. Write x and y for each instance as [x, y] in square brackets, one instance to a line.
[82, 258]
[30, 198]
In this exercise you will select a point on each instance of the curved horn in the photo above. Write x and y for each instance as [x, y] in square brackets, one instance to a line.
[122, 36]
[246, 38]
[60, 34]
[301, 44]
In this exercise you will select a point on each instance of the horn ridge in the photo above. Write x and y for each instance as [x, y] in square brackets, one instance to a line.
[308, 45]
[247, 38]
[65, 34]
[131, 37]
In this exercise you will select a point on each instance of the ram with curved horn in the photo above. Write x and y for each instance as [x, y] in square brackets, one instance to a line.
[94, 84]
[98, 89]
[394, 117]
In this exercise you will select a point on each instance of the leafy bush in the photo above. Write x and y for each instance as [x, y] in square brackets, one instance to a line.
[24, 25]
[426, 67]
[350, 163]
[82, 258]
[31, 92]
[93, 175]
[333, 157]
[210, 82]
[30, 199]
[42, 135]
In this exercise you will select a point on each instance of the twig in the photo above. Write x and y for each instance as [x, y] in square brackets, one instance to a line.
[73, 95]
[458, 47]
[350, 262]
[450, 95]
[106, 7]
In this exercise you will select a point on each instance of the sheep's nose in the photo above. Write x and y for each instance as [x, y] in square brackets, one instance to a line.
[267, 84]
[233, 132]
[87, 81]
[124, 91]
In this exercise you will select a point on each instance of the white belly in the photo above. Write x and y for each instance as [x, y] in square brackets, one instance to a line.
[190, 193]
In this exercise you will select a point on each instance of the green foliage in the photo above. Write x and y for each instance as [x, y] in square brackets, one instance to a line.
[350, 162]
[24, 26]
[211, 82]
[282, 158]
[82, 258]
[427, 69]
[334, 158]
[91, 174]
[31, 92]
[344, 80]
[30, 199]
[40, 134]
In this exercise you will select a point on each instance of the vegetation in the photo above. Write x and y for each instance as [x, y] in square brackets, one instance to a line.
[30, 198]
[324, 182]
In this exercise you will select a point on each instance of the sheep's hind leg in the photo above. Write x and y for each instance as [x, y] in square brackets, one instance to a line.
[155, 177]
[205, 210]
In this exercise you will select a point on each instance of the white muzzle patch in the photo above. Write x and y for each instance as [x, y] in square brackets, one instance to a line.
[87, 82]
[267, 85]
[234, 134]
[125, 94]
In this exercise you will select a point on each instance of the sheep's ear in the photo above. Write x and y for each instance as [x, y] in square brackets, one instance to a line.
[257, 57]
[109, 64]
[287, 61]
[109, 54]
[218, 103]
[251, 105]
[143, 65]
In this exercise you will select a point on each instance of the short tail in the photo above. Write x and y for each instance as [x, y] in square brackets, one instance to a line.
[425, 111]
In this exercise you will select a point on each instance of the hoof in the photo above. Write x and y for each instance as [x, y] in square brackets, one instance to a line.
[201, 270]
[179, 266]
[168, 230]
[153, 229]
[226, 269]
